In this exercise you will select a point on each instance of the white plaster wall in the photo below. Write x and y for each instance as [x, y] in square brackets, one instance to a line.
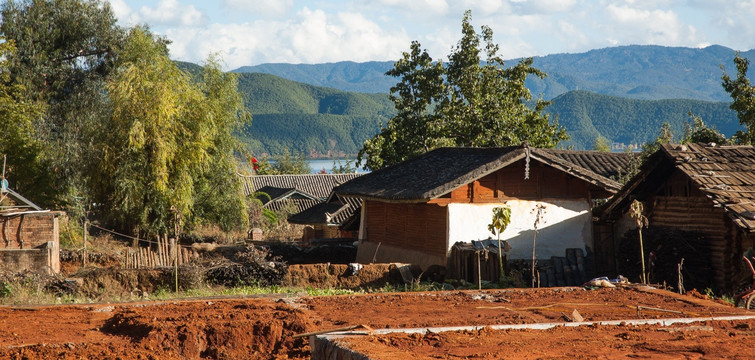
[564, 224]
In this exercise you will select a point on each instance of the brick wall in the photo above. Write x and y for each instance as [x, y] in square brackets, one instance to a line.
[30, 241]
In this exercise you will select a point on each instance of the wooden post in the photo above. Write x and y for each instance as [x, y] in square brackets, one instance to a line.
[84, 258]
[479, 274]
[174, 244]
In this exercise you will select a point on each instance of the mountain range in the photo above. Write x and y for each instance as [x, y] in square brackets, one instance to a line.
[623, 94]
[647, 72]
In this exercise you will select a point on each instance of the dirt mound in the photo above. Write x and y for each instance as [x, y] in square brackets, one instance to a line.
[325, 276]
[226, 330]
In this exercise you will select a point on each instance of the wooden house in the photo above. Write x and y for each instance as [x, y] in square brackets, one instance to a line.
[415, 211]
[705, 189]
[337, 217]
[311, 202]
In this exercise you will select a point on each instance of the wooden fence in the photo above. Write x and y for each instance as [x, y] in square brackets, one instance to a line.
[164, 255]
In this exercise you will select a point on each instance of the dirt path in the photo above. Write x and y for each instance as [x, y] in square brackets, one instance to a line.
[263, 328]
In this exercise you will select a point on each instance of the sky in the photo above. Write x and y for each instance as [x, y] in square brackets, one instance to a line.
[252, 32]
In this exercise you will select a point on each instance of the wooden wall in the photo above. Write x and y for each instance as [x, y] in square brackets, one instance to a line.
[419, 227]
[679, 204]
[509, 183]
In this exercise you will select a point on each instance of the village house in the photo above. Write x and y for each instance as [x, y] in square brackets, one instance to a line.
[703, 189]
[415, 211]
[29, 237]
[337, 217]
[331, 216]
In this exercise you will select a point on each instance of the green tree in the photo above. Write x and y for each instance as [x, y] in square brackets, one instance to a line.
[66, 50]
[167, 137]
[601, 144]
[415, 129]
[500, 221]
[700, 133]
[219, 197]
[25, 165]
[743, 94]
[287, 163]
[464, 103]
[343, 168]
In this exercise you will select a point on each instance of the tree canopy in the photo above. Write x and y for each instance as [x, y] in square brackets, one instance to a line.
[168, 138]
[743, 94]
[65, 49]
[473, 100]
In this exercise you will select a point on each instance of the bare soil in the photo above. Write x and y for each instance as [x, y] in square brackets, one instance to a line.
[263, 328]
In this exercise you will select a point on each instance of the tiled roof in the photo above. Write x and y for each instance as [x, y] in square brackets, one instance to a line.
[726, 174]
[298, 204]
[606, 164]
[437, 172]
[318, 185]
[335, 211]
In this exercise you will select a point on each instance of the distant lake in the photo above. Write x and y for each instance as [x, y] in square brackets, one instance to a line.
[318, 164]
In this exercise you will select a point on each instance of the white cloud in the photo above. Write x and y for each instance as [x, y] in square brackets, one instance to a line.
[120, 9]
[647, 26]
[274, 8]
[432, 6]
[168, 13]
[311, 36]
[545, 6]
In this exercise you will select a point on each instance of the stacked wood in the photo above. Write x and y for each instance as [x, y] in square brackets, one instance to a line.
[161, 256]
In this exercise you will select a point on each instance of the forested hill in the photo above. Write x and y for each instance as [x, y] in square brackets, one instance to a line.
[321, 121]
[316, 121]
[636, 71]
[585, 115]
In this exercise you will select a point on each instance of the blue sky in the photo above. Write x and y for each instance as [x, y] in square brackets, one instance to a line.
[251, 32]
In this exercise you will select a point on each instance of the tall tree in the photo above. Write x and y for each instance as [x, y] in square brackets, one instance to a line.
[167, 135]
[17, 116]
[415, 129]
[219, 197]
[66, 49]
[464, 103]
[743, 94]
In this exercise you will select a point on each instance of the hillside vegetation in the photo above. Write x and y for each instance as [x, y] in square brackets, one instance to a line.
[586, 115]
[638, 71]
[317, 121]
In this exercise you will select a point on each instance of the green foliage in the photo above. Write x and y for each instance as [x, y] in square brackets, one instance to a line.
[290, 116]
[26, 167]
[499, 223]
[344, 167]
[461, 104]
[587, 115]
[699, 133]
[169, 141]
[743, 94]
[66, 50]
[286, 163]
[601, 144]
[416, 128]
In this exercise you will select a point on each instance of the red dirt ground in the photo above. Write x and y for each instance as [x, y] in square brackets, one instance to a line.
[262, 328]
